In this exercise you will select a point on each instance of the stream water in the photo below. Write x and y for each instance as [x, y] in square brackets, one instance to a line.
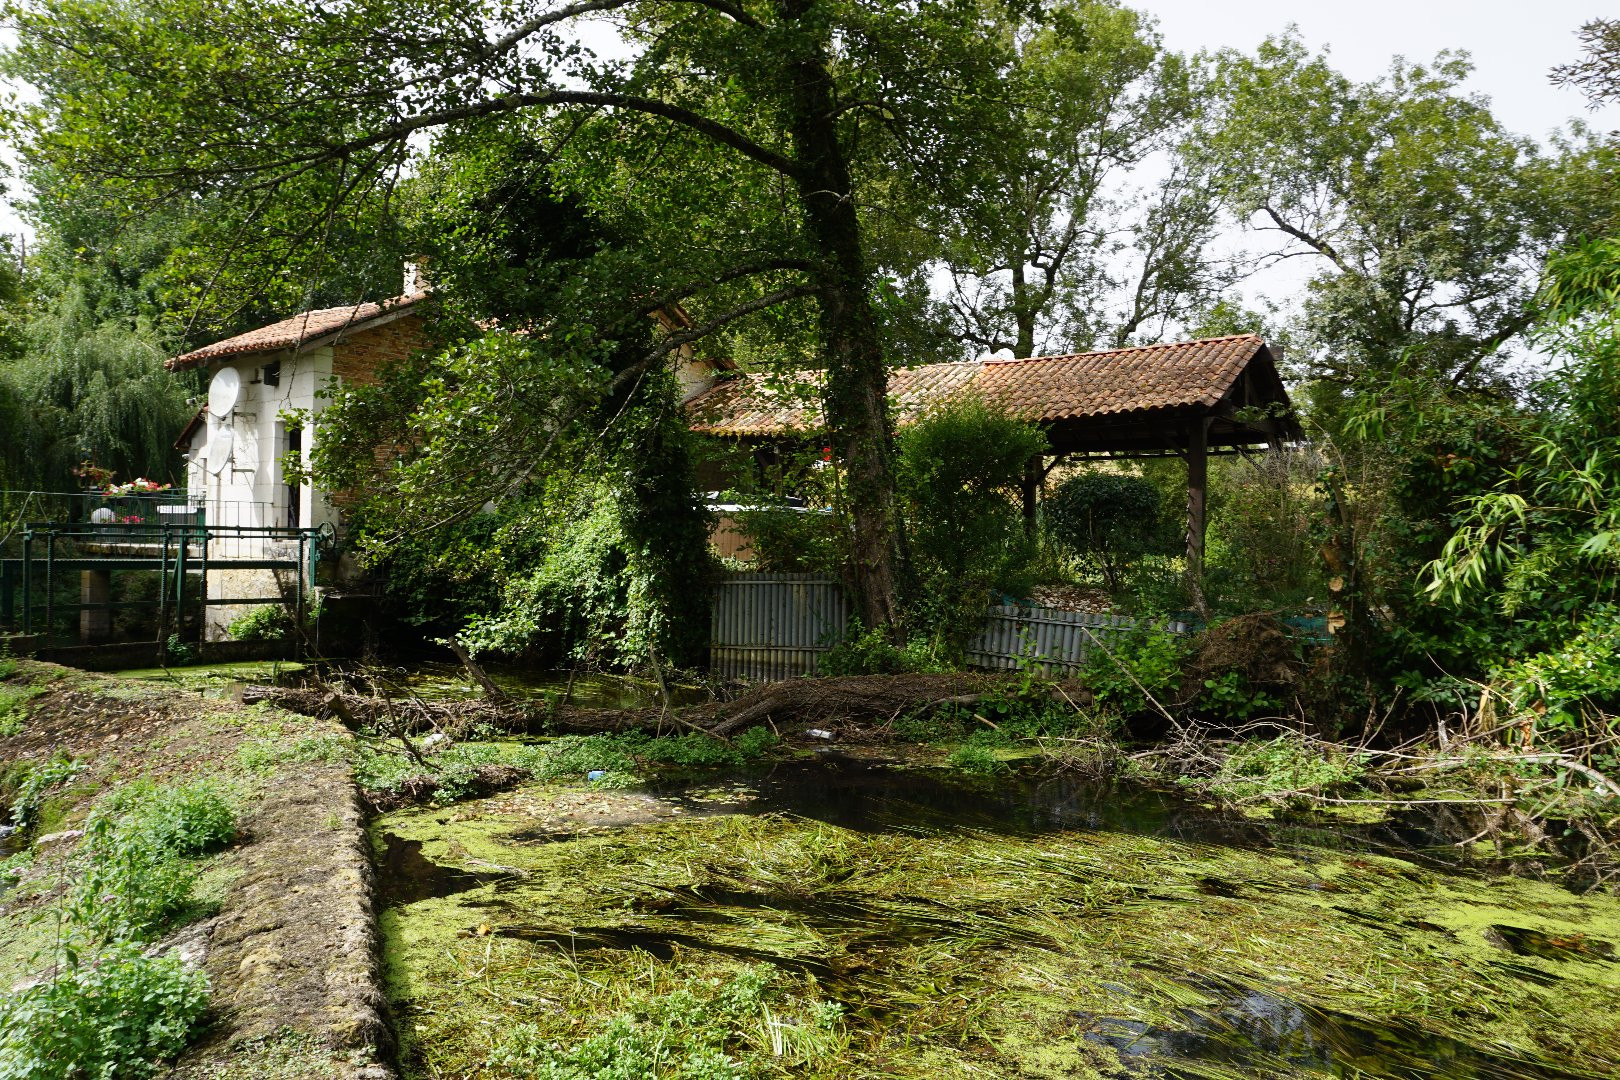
[1027, 926]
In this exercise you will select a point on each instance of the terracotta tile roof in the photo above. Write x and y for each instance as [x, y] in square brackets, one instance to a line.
[293, 332]
[1185, 373]
[764, 404]
[1041, 389]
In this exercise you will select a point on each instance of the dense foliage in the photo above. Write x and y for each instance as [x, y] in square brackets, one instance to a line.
[1112, 518]
[115, 1006]
[961, 468]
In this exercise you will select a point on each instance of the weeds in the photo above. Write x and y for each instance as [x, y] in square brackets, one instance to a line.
[264, 755]
[114, 1018]
[975, 756]
[1135, 674]
[27, 784]
[138, 847]
[14, 699]
[1285, 766]
[112, 1010]
[870, 652]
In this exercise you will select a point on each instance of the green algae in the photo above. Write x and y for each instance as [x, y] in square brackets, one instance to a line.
[215, 678]
[1071, 952]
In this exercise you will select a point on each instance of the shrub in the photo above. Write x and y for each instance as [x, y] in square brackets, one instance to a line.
[263, 622]
[869, 652]
[792, 539]
[1145, 662]
[191, 818]
[1262, 552]
[1573, 690]
[131, 888]
[756, 742]
[1111, 518]
[1229, 696]
[959, 471]
[137, 877]
[117, 1017]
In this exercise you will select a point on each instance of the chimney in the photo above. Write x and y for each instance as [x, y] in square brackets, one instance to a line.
[416, 276]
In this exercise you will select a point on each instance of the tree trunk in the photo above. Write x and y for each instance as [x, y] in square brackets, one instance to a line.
[857, 392]
[1024, 311]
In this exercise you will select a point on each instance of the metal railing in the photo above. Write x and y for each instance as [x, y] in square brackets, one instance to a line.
[175, 550]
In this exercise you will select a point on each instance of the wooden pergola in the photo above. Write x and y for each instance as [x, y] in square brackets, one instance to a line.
[1188, 399]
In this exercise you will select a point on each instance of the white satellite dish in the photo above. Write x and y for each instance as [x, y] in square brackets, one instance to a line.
[223, 391]
[219, 450]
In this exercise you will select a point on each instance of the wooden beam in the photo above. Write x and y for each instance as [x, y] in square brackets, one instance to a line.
[1033, 475]
[1197, 483]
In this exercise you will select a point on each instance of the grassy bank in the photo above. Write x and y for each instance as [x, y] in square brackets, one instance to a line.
[141, 816]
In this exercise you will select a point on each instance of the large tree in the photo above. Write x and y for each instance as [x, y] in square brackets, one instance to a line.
[1049, 246]
[282, 113]
[1424, 221]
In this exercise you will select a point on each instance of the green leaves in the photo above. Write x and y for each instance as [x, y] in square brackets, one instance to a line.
[1426, 219]
[116, 1018]
[960, 468]
[1114, 518]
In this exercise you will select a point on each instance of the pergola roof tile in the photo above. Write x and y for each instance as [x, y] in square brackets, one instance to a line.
[1042, 389]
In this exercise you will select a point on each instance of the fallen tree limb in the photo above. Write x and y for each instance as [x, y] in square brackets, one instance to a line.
[852, 701]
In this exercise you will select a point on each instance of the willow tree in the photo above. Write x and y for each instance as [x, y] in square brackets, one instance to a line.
[292, 116]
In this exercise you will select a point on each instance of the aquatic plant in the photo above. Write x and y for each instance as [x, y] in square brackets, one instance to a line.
[977, 951]
[708, 1029]
[621, 758]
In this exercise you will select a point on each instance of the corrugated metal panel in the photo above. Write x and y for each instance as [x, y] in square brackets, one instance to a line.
[767, 627]
[1015, 636]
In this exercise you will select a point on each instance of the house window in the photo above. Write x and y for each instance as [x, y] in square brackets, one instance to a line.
[271, 373]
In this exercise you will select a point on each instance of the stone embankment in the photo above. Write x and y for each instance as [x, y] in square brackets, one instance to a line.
[292, 952]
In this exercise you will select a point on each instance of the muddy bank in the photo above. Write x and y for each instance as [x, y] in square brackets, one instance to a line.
[289, 946]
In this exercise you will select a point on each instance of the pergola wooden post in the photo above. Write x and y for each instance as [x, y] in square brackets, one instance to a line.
[1197, 484]
[1033, 474]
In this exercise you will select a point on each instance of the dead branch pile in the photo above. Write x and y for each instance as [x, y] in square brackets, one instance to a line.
[846, 702]
[1256, 646]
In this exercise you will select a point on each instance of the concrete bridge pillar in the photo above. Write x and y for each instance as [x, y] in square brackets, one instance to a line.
[95, 620]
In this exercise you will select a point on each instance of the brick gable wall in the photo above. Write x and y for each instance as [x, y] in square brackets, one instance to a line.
[359, 358]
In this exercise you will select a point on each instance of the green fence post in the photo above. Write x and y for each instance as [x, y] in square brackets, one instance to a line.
[28, 581]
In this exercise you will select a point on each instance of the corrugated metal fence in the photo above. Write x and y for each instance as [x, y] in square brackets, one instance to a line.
[1015, 635]
[776, 626]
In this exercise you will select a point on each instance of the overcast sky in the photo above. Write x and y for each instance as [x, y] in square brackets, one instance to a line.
[1513, 44]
